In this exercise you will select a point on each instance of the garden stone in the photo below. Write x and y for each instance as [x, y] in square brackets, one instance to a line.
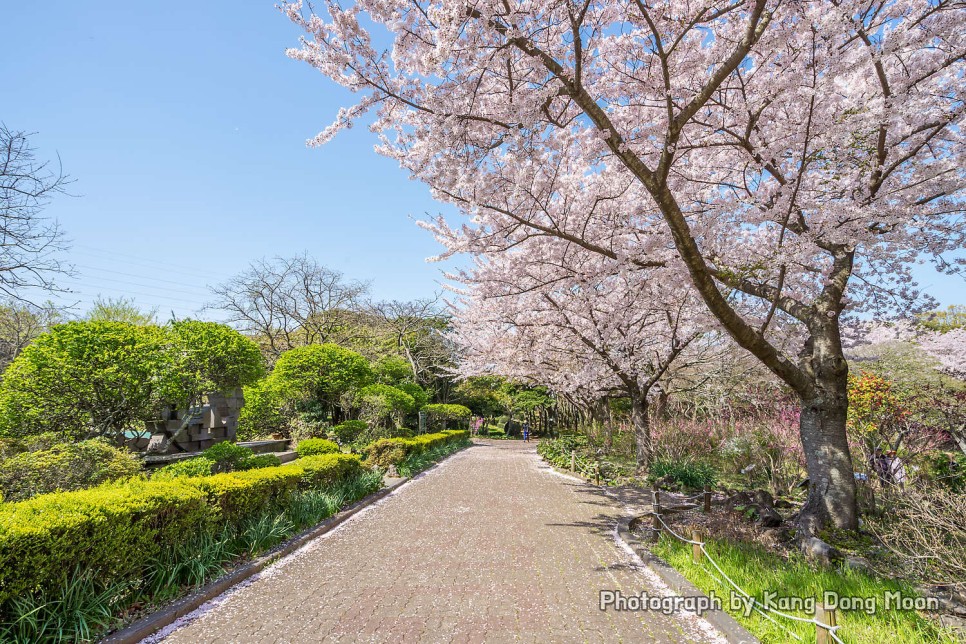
[817, 550]
[858, 563]
[774, 537]
[768, 517]
[761, 497]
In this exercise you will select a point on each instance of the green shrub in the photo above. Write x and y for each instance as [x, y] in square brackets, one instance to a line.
[392, 451]
[384, 405]
[378, 432]
[198, 466]
[11, 447]
[301, 428]
[688, 473]
[348, 431]
[226, 456]
[70, 466]
[948, 470]
[217, 459]
[258, 461]
[385, 453]
[558, 451]
[315, 447]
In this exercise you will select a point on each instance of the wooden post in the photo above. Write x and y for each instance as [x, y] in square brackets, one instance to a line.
[656, 507]
[707, 501]
[826, 615]
[696, 535]
[573, 460]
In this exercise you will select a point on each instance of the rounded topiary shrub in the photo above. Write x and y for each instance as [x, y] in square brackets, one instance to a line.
[349, 431]
[315, 447]
[226, 456]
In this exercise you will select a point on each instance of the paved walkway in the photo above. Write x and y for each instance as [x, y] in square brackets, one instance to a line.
[490, 546]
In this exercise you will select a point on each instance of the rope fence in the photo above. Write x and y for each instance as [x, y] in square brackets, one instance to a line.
[824, 619]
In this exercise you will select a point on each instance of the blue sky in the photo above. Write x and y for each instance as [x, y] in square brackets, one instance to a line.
[183, 125]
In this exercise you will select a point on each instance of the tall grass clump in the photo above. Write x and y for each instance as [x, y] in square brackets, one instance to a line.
[77, 611]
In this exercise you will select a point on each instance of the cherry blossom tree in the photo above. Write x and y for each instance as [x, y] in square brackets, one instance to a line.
[577, 322]
[801, 155]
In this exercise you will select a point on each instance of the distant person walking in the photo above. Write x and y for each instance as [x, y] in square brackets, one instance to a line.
[526, 432]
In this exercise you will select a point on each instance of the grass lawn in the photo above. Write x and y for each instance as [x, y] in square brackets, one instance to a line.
[758, 571]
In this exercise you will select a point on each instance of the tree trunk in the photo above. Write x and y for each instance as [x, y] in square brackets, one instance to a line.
[831, 489]
[642, 430]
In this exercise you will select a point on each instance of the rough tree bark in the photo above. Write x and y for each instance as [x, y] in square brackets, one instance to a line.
[642, 430]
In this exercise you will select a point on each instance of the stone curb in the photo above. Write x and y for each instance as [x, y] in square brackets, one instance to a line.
[721, 620]
[147, 626]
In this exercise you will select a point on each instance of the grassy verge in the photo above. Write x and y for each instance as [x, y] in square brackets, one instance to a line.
[758, 572]
[82, 610]
[416, 463]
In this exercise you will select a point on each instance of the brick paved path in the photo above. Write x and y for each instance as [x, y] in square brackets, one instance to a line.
[490, 546]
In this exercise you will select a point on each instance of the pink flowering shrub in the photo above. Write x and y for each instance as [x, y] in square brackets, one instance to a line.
[759, 447]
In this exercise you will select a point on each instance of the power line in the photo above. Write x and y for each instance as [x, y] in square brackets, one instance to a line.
[135, 275]
[143, 262]
[148, 286]
[135, 296]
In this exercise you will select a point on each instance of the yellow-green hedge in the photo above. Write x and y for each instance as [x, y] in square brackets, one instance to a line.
[390, 451]
[327, 469]
[112, 529]
[116, 529]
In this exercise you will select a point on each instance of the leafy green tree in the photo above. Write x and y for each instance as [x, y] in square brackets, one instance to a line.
[84, 379]
[211, 357]
[419, 395]
[384, 405]
[263, 412]
[320, 372]
[20, 324]
[445, 414]
[99, 378]
[391, 370]
[486, 395]
[120, 309]
[952, 317]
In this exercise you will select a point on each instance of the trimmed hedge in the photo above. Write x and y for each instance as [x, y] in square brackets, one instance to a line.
[391, 451]
[327, 469]
[112, 530]
[316, 447]
[115, 530]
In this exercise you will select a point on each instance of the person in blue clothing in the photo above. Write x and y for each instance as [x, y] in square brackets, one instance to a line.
[526, 432]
